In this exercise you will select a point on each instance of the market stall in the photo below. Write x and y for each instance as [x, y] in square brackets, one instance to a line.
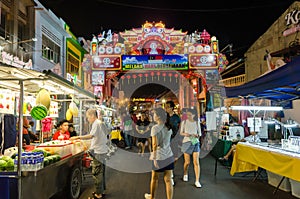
[285, 163]
[64, 172]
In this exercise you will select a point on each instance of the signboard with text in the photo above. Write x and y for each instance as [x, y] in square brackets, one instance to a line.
[154, 62]
[203, 61]
[107, 62]
[98, 78]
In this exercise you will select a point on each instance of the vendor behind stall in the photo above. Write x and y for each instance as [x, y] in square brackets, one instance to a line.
[25, 130]
[62, 133]
[253, 138]
[72, 130]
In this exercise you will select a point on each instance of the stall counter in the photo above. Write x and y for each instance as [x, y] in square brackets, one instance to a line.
[249, 157]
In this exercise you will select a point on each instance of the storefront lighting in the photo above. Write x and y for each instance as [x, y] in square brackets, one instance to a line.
[257, 108]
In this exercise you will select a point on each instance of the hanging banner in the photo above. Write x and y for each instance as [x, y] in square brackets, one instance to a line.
[154, 62]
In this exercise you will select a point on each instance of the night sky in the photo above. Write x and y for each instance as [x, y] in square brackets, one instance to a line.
[238, 23]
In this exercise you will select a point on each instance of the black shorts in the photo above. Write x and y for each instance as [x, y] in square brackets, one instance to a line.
[143, 140]
[167, 164]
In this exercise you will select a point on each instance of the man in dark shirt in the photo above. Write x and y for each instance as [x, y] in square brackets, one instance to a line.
[174, 121]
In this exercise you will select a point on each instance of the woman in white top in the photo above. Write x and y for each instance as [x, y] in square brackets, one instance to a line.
[190, 129]
[162, 155]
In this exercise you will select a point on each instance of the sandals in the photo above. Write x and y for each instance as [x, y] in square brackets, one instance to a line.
[94, 196]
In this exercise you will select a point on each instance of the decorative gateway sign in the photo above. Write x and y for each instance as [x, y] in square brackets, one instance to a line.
[154, 62]
[203, 61]
[107, 62]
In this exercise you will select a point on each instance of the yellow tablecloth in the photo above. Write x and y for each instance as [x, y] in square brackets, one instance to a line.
[249, 157]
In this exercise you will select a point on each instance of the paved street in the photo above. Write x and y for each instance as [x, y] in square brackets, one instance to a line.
[127, 185]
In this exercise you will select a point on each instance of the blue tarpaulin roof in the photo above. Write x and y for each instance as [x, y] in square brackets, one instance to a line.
[280, 84]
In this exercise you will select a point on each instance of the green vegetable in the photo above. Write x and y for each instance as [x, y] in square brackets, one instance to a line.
[3, 165]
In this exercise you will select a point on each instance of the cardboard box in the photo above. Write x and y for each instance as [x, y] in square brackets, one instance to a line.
[295, 186]
[274, 179]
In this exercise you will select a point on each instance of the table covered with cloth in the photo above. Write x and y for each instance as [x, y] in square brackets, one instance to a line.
[250, 156]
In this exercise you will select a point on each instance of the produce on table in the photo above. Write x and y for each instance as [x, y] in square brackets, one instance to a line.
[6, 163]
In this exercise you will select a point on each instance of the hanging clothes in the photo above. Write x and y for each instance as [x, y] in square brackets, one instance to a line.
[8, 132]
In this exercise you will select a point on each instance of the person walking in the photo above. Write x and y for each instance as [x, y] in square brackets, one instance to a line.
[142, 128]
[176, 139]
[162, 155]
[98, 150]
[128, 130]
[191, 131]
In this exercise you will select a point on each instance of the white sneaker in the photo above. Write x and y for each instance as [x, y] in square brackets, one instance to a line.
[198, 185]
[185, 178]
[147, 195]
[172, 181]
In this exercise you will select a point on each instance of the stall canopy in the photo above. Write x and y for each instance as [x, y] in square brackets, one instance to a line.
[281, 84]
[33, 81]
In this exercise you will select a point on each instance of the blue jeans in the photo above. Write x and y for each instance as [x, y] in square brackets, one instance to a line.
[128, 138]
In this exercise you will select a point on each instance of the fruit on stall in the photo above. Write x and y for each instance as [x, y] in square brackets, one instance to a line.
[69, 115]
[46, 153]
[43, 97]
[43, 100]
[6, 163]
[73, 109]
[51, 159]
[39, 112]
[3, 165]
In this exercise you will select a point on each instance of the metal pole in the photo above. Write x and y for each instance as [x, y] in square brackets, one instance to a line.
[20, 139]
[80, 118]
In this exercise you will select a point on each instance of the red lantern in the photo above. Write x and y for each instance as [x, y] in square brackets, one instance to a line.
[158, 74]
[123, 77]
[140, 75]
[128, 77]
[146, 75]
[152, 74]
[176, 75]
[134, 77]
[164, 75]
[170, 75]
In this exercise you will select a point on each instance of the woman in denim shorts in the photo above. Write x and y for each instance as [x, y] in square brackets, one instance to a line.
[190, 129]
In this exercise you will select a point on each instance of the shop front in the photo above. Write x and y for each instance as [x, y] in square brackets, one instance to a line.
[56, 165]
